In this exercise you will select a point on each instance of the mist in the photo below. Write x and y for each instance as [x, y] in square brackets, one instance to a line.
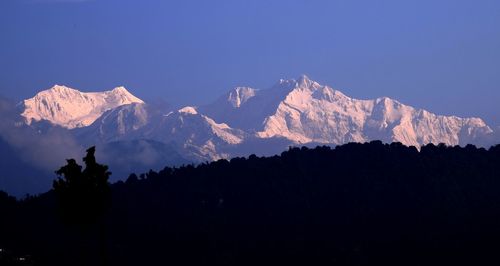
[38, 149]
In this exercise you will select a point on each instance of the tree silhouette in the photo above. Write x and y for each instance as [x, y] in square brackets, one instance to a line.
[83, 195]
[355, 204]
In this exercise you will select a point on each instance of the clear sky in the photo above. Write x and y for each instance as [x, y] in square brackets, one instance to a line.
[442, 55]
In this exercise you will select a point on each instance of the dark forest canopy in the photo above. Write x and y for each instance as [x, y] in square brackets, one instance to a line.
[356, 204]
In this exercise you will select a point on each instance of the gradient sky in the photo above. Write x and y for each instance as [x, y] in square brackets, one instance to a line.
[442, 55]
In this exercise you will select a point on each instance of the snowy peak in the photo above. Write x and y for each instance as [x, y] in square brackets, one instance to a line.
[121, 96]
[199, 136]
[302, 82]
[293, 111]
[310, 112]
[189, 116]
[305, 82]
[240, 95]
[303, 111]
[120, 123]
[188, 110]
[58, 89]
[71, 108]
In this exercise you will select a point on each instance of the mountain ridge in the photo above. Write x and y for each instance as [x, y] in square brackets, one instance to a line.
[300, 110]
[138, 136]
[71, 108]
[306, 111]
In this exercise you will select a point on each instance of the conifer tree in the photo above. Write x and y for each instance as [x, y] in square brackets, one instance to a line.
[83, 195]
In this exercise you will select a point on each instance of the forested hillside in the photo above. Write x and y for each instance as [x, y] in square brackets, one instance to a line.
[356, 204]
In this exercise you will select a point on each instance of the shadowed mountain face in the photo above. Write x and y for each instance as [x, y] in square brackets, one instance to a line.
[245, 120]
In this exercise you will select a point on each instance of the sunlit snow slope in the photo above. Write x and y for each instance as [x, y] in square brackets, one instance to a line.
[71, 108]
[304, 111]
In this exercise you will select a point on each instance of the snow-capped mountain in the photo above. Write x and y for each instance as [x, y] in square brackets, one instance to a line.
[120, 123]
[304, 111]
[204, 138]
[295, 111]
[71, 108]
[197, 136]
[132, 135]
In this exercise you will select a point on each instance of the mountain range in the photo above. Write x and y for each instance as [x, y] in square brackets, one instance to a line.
[134, 136]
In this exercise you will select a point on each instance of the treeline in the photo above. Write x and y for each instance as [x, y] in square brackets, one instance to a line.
[356, 204]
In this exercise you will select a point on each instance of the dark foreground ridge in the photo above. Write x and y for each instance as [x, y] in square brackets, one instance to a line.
[356, 204]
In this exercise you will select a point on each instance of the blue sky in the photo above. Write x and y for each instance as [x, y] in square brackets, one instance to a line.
[442, 55]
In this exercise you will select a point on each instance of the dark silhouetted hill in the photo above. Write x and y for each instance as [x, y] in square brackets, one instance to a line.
[356, 204]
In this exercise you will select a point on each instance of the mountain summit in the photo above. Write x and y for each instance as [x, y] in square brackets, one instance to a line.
[135, 136]
[292, 112]
[305, 111]
[71, 108]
